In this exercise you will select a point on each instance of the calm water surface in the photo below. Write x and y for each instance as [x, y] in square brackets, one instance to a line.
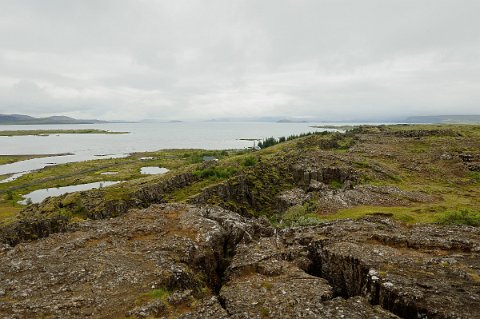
[153, 170]
[39, 195]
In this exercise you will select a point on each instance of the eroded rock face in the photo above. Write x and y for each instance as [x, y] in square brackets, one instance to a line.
[332, 200]
[305, 174]
[371, 268]
[471, 161]
[269, 280]
[188, 261]
[291, 197]
[123, 265]
[422, 272]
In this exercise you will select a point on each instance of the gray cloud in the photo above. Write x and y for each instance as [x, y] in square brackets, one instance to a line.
[121, 59]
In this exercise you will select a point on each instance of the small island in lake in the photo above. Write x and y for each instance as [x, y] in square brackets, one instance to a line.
[51, 132]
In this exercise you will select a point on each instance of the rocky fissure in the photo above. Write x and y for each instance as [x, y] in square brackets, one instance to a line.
[207, 262]
[410, 290]
[351, 277]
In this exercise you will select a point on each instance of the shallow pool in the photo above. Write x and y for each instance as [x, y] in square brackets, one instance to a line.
[39, 195]
[152, 170]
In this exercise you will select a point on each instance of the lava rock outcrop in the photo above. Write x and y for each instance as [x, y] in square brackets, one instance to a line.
[186, 261]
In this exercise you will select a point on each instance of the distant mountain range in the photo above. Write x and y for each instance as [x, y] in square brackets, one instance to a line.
[276, 119]
[19, 119]
[291, 121]
[457, 119]
[159, 121]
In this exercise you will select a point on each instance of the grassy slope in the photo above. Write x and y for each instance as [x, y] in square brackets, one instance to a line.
[419, 168]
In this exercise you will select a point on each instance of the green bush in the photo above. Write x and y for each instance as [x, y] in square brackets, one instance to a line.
[300, 216]
[160, 293]
[294, 213]
[270, 141]
[463, 217]
[336, 184]
[306, 221]
[216, 172]
[267, 142]
[249, 161]
[475, 176]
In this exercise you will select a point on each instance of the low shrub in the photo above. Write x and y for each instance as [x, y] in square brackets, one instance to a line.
[249, 161]
[160, 293]
[301, 215]
[215, 172]
[463, 217]
[270, 141]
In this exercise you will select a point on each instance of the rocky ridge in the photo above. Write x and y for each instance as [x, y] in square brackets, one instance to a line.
[187, 261]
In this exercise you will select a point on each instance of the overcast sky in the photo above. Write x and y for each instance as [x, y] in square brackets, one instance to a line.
[176, 59]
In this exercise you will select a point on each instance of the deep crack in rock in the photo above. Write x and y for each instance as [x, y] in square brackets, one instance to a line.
[207, 262]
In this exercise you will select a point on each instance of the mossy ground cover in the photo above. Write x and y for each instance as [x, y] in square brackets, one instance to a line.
[125, 169]
[184, 193]
[462, 217]
[450, 210]
[427, 161]
[8, 212]
[418, 166]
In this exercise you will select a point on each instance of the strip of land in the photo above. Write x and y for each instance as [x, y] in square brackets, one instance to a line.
[9, 159]
[51, 132]
[334, 127]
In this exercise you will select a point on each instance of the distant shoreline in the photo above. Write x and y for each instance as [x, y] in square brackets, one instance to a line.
[51, 132]
[9, 159]
[335, 127]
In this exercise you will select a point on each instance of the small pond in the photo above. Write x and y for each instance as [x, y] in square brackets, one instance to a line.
[39, 195]
[152, 170]
[14, 177]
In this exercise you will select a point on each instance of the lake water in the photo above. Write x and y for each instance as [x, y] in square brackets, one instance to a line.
[142, 137]
[153, 170]
[39, 195]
